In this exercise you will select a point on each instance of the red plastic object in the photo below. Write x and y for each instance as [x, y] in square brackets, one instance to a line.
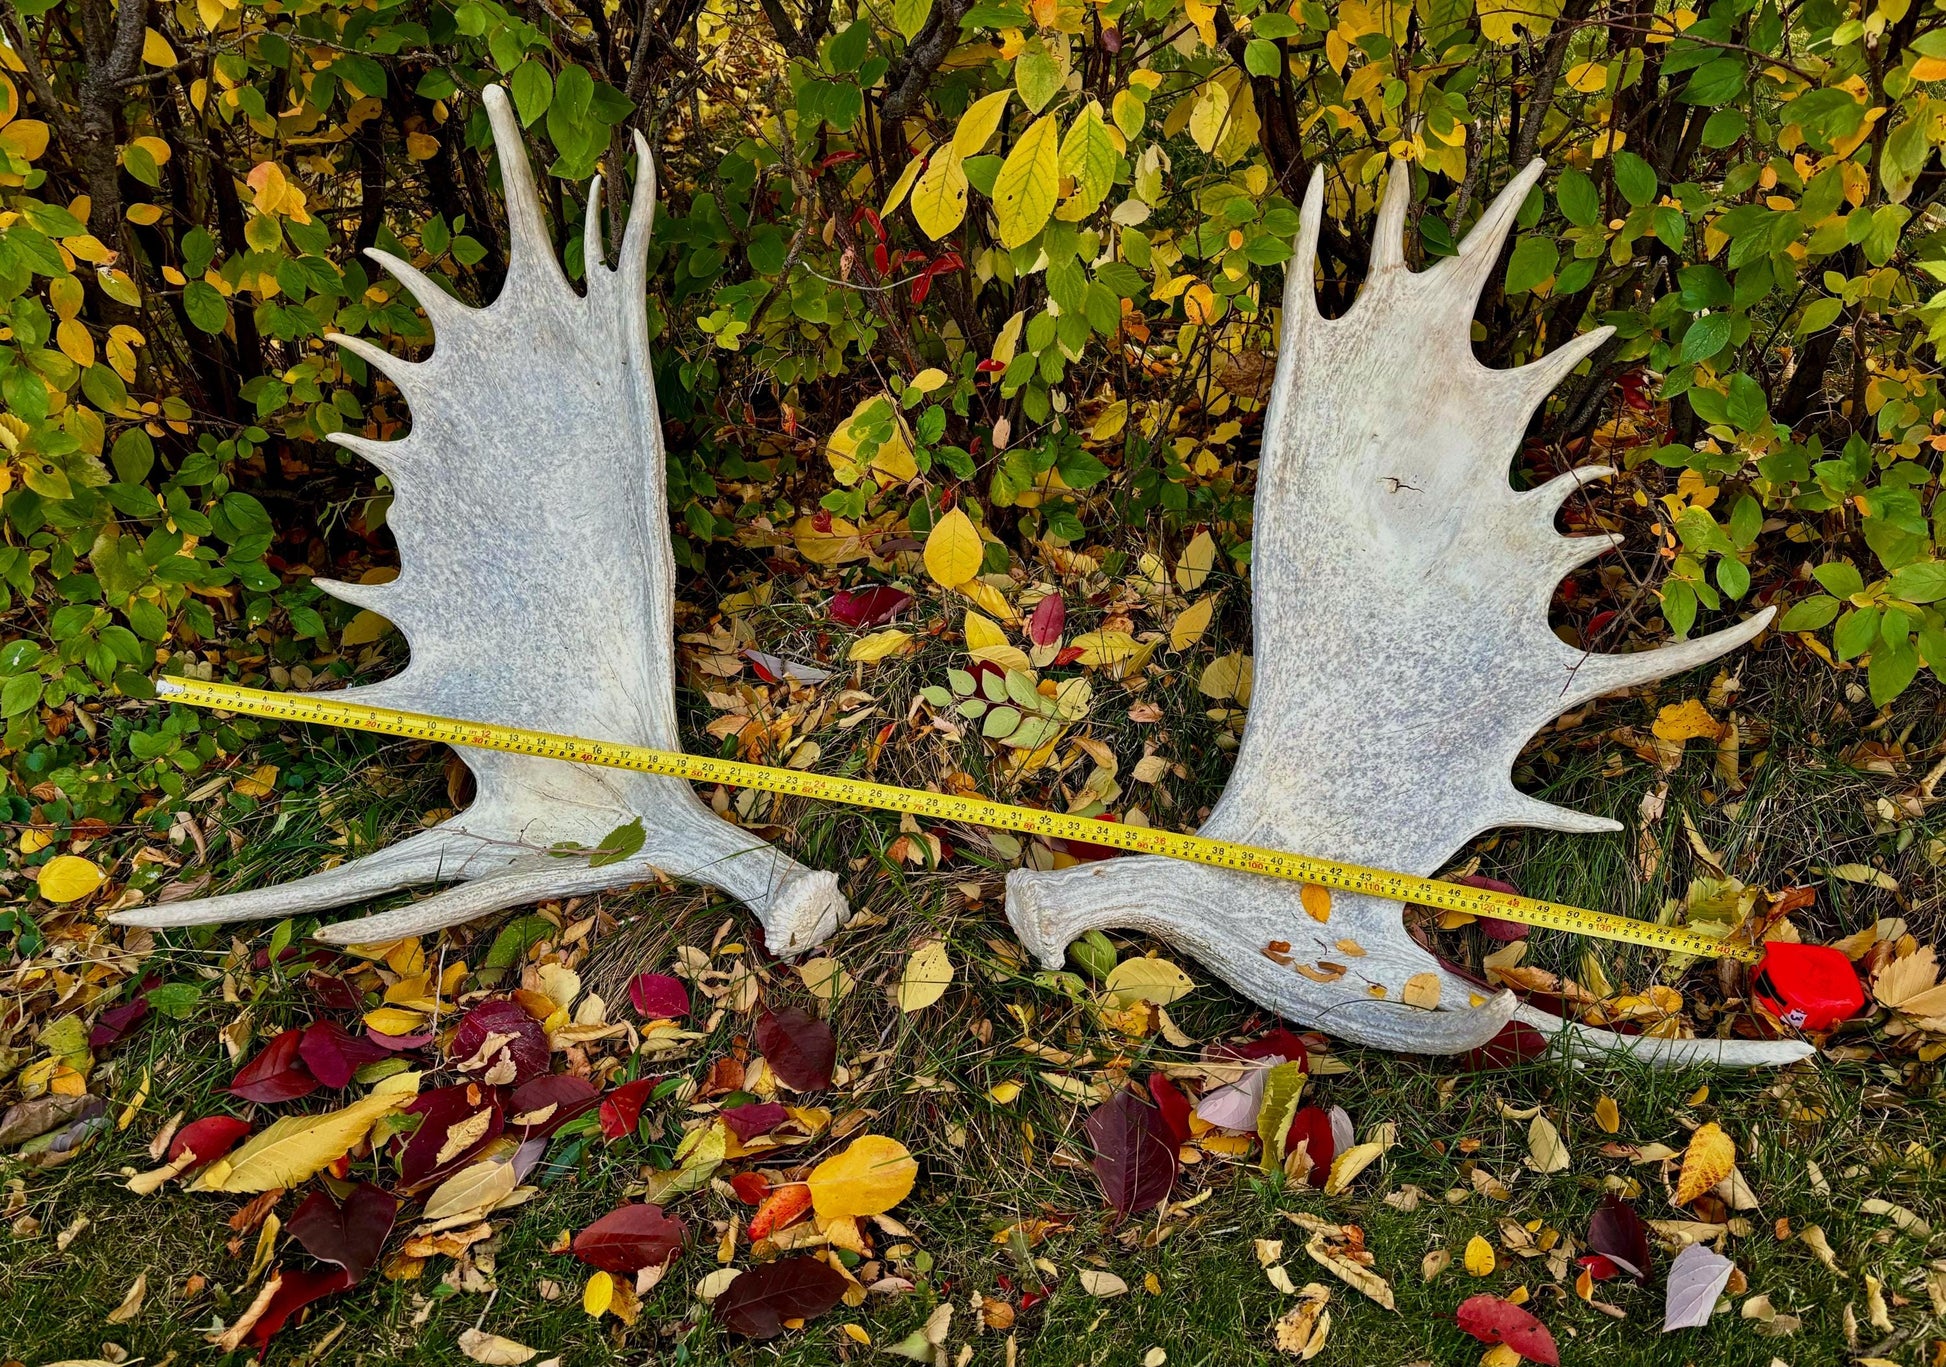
[1810, 987]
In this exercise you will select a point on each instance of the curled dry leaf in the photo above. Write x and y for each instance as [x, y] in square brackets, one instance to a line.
[1348, 1270]
[1708, 1160]
[1302, 1330]
[492, 1349]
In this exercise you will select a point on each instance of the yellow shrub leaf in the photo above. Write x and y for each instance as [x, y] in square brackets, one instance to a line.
[1144, 980]
[1608, 1115]
[1421, 990]
[300, 1146]
[1685, 721]
[878, 646]
[1210, 116]
[901, 187]
[1479, 1257]
[1316, 900]
[156, 50]
[1709, 1159]
[939, 199]
[1110, 421]
[598, 1294]
[928, 973]
[868, 1178]
[1194, 566]
[1028, 184]
[978, 124]
[76, 342]
[68, 878]
[363, 629]
[953, 550]
[1190, 624]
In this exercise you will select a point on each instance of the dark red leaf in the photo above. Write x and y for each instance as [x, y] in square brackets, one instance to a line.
[116, 1022]
[657, 996]
[569, 1096]
[295, 1290]
[334, 992]
[1174, 1107]
[499, 1041]
[1492, 926]
[333, 1055]
[1617, 1233]
[621, 1109]
[758, 1302]
[1313, 1124]
[1516, 1043]
[747, 1122]
[277, 1074]
[1278, 1043]
[799, 1048]
[629, 1239]
[1087, 850]
[750, 1187]
[1049, 617]
[872, 607]
[922, 287]
[439, 1110]
[1495, 1319]
[1134, 1156]
[349, 1235]
[209, 1138]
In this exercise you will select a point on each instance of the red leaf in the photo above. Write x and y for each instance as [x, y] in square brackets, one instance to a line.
[1278, 1043]
[1313, 1124]
[799, 1048]
[520, 1052]
[569, 1095]
[209, 1138]
[747, 1122]
[295, 1290]
[1050, 615]
[1174, 1107]
[750, 1187]
[1087, 850]
[630, 1238]
[657, 996]
[758, 1302]
[1068, 655]
[333, 1055]
[1599, 1268]
[621, 1109]
[277, 1074]
[1495, 1319]
[1492, 926]
[349, 1235]
[922, 287]
[870, 607]
[116, 1022]
[439, 1110]
[1617, 1233]
[1516, 1043]
[1134, 1157]
[781, 1206]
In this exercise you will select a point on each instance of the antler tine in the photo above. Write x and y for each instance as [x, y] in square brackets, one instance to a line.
[532, 248]
[632, 258]
[1516, 808]
[591, 249]
[1538, 378]
[387, 600]
[1546, 499]
[1595, 675]
[442, 309]
[1300, 272]
[520, 885]
[1388, 235]
[383, 454]
[399, 371]
[1469, 269]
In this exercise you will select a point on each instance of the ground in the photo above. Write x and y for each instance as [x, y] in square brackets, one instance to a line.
[1814, 1144]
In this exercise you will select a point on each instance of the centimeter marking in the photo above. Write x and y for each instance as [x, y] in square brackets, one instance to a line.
[324, 710]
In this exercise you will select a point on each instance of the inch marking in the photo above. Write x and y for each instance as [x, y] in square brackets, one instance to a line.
[1383, 883]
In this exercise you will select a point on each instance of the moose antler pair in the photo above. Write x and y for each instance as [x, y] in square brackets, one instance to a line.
[1401, 590]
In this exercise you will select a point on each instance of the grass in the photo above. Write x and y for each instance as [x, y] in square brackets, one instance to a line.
[1865, 1124]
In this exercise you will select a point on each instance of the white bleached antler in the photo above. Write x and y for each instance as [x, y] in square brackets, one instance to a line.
[1403, 657]
[537, 590]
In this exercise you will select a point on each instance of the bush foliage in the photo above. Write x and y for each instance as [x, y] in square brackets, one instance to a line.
[1022, 257]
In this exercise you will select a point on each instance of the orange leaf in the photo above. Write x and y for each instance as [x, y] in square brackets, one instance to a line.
[780, 1208]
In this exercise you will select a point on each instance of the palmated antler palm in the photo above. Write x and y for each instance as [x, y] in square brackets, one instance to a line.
[536, 589]
[1403, 658]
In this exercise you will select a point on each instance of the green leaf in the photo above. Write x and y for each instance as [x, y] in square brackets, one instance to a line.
[1856, 632]
[1038, 77]
[1575, 194]
[1716, 82]
[1707, 336]
[1921, 582]
[1635, 178]
[1891, 669]
[1818, 315]
[204, 306]
[1532, 264]
[1840, 578]
[1746, 406]
[1029, 180]
[1262, 58]
[1809, 614]
[1088, 154]
[909, 16]
[618, 845]
[1733, 576]
[1725, 126]
[533, 91]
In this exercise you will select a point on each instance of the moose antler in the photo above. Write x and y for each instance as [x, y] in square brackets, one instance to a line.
[536, 589]
[1403, 658]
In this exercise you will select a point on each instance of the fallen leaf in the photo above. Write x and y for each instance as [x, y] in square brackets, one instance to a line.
[621, 1110]
[350, 1234]
[1547, 1152]
[1135, 1157]
[68, 878]
[658, 996]
[1347, 1165]
[1685, 721]
[953, 550]
[758, 1302]
[1478, 1259]
[492, 1349]
[477, 1188]
[299, 1146]
[1302, 1330]
[928, 973]
[1696, 1279]
[132, 1300]
[1353, 1274]
[1708, 1160]
[1495, 1319]
[277, 1073]
[500, 1042]
[1102, 1285]
[1617, 1233]
[1145, 980]
[209, 1138]
[871, 1176]
[868, 607]
[800, 1049]
[1608, 1115]
[630, 1238]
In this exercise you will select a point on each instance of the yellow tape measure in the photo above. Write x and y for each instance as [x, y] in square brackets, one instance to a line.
[323, 710]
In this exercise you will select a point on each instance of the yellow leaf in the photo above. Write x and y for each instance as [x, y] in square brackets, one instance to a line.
[1227, 676]
[928, 973]
[1421, 990]
[878, 646]
[1144, 980]
[1316, 900]
[868, 1178]
[953, 550]
[978, 123]
[68, 878]
[1190, 624]
[1210, 116]
[598, 1294]
[1199, 304]
[929, 379]
[421, 146]
[157, 149]
[1104, 647]
[76, 342]
[364, 629]
[1479, 1257]
[990, 599]
[1110, 422]
[156, 50]
[494, 1350]
[393, 1020]
[901, 187]
[939, 199]
[1608, 1115]
[1500, 1355]
[1545, 1146]
[1028, 184]
[1929, 69]
[1347, 1165]
[1197, 559]
[26, 138]
[1685, 721]
[893, 455]
[1710, 1157]
[1589, 78]
[299, 1146]
[1004, 1093]
[474, 1189]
